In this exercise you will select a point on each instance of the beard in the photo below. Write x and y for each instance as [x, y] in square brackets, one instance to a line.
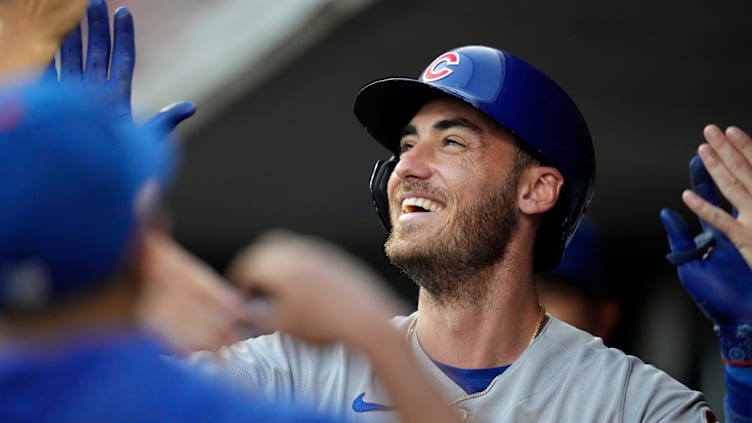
[451, 265]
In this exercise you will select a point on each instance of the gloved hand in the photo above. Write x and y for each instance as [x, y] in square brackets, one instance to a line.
[110, 79]
[714, 273]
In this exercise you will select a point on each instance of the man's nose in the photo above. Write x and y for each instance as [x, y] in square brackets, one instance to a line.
[415, 163]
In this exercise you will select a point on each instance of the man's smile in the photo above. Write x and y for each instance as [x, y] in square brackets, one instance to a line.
[420, 204]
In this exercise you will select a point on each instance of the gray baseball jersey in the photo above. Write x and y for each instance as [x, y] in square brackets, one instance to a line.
[566, 375]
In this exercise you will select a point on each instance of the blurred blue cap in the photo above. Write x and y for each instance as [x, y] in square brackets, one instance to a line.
[582, 266]
[70, 175]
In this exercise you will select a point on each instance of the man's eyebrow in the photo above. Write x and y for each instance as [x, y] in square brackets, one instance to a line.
[408, 130]
[444, 125]
[453, 123]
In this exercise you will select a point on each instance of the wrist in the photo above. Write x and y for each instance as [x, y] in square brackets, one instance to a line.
[736, 344]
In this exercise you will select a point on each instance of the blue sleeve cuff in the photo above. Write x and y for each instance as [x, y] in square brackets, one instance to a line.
[738, 402]
[736, 343]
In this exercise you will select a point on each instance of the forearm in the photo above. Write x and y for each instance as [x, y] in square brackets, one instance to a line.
[21, 58]
[31, 31]
[415, 396]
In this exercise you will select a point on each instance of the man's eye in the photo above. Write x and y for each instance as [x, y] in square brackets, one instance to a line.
[405, 147]
[449, 141]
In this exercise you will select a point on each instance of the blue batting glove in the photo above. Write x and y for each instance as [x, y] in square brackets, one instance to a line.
[714, 273]
[169, 117]
[109, 67]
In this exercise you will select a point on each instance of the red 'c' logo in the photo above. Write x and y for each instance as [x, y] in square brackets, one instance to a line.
[436, 71]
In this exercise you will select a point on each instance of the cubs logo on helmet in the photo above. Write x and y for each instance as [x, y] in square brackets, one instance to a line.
[441, 67]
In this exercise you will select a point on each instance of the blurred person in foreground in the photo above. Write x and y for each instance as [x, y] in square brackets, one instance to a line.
[141, 283]
[79, 190]
[577, 290]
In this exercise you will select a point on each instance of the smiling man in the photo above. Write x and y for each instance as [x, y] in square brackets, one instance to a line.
[492, 169]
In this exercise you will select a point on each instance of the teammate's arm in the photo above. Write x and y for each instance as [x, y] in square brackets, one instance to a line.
[716, 266]
[32, 31]
[317, 292]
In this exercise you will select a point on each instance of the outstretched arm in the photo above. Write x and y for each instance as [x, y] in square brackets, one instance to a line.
[32, 31]
[183, 301]
[716, 265]
[315, 291]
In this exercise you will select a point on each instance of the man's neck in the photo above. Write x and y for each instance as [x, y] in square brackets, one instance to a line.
[485, 332]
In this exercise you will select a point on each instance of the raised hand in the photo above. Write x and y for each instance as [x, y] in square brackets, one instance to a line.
[714, 266]
[109, 66]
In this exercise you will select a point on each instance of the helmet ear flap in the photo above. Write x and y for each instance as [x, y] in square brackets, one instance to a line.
[377, 185]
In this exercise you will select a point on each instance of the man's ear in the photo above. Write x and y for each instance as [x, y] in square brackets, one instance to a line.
[539, 189]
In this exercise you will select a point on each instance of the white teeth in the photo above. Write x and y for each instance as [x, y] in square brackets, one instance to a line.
[423, 203]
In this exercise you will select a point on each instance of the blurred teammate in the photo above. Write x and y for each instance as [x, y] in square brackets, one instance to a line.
[577, 290]
[79, 186]
[196, 315]
[185, 302]
[79, 189]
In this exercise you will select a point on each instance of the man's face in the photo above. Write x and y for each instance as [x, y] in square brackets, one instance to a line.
[452, 196]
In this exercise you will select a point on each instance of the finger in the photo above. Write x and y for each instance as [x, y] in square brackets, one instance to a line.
[730, 165]
[710, 214]
[71, 56]
[123, 54]
[98, 47]
[741, 141]
[702, 183]
[679, 236]
[171, 116]
[726, 181]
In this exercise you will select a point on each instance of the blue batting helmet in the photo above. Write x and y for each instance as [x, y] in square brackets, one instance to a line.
[511, 92]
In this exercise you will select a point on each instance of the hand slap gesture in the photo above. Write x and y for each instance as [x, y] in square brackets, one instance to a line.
[109, 66]
[715, 266]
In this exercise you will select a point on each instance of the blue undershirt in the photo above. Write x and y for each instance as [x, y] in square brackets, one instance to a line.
[471, 380]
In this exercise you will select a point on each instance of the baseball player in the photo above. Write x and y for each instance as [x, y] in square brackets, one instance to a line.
[492, 169]
[577, 290]
[79, 188]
